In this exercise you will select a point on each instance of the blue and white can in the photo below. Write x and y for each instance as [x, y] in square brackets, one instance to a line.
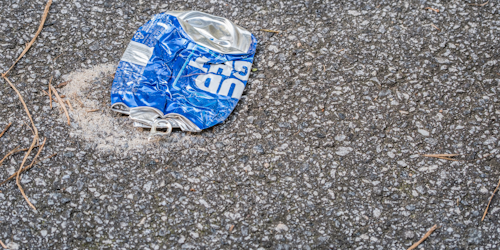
[183, 69]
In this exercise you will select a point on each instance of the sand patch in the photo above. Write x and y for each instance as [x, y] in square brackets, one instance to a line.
[89, 90]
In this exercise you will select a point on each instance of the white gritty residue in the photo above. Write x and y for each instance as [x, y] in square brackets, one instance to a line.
[89, 90]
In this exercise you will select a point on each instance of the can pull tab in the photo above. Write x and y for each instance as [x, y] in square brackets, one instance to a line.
[158, 122]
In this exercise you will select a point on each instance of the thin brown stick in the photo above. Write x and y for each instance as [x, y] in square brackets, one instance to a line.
[272, 31]
[50, 91]
[480, 5]
[38, 153]
[60, 101]
[5, 129]
[429, 8]
[26, 168]
[93, 110]
[491, 198]
[60, 85]
[58, 56]
[3, 245]
[29, 127]
[69, 104]
[423, 238]
[42, 22]
[435, 27]
[18, 178]
[24, 104]
[13, 151]
[77, 99]
[16, 150]
[441, 155]
[35, 139]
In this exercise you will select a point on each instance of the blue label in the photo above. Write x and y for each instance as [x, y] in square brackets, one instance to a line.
[165, 69]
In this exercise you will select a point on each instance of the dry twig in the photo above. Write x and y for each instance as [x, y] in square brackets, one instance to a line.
[69, 104]
[27, 168]
[429, 8]
[423, 238]
[63, 84]
[480, 5]
[272, 31]
[5, 129]
[35, 140]
[13, 151]
[491, 198]
[3, 245]
[231, 228]
[93, 110]
[435, 27]
[42, 22]
[77, 99]
[58, 56]
[60, 101]
[442, 156]
[16, 150]
[35, 134]
[50, 91]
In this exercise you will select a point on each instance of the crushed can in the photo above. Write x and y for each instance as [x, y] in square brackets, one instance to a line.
[183, 69]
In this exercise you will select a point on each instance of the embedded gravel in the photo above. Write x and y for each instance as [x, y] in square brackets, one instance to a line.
[323, 150]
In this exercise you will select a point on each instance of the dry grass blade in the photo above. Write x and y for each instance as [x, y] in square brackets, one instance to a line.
[435, 27]
[480, 5]
[491, 198]
[61, 103]
[423, 238]
[93, 110]
[26, 168]
[35, 139]
[18, 178]
[50, 91]
[63, 84]
[13, 151]
[77, 99]
[429, 8]
[69, 104]
[442, 156]
[272, 31]
[42, 22]
[3, 245]
[24, 104]
[5, 129]
[16, 150]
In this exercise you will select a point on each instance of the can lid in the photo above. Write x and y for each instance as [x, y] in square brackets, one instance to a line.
[215, 33]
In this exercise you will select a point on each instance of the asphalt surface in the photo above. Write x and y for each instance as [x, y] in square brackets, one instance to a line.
[322, 152]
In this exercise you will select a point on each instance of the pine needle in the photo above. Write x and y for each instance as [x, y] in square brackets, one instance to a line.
[480, 5]
[491, 198]
[423, 238]
[50, 91]
[35, 140]
[3, 245]
[27, 168]
[272, 31]
[16, 150]
[61, 103]
[28, 46]
[5, 129]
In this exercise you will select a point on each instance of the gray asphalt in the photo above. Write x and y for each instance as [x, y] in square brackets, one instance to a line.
[324, 150]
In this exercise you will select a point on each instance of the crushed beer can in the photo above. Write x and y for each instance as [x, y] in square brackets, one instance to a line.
[183, 69]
